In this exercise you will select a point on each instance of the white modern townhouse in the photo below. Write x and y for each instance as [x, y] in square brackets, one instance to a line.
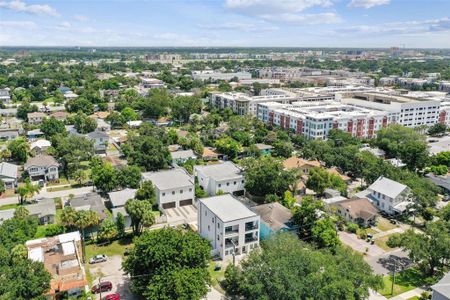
[174, 188]
[225, 177]
[229, 225]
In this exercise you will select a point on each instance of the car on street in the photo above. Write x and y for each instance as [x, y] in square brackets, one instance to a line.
[104, 286]
[98, 259]
[114, 296]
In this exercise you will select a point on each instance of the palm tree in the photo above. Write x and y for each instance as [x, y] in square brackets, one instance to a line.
[83, 220]
[27, 190]
[68, 216]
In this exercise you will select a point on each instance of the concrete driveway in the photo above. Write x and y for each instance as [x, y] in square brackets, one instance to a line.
[183, 214]
[112, 271]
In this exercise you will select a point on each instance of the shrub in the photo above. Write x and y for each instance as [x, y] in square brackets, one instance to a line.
[361, 233]
[54, 229]
[352, 227]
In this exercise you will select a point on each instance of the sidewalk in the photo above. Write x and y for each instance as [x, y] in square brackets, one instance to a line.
[409, 294]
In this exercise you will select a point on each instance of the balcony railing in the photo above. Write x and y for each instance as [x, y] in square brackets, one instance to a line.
[231, 231]
[251, 239]
[252, 226]
[230, 245]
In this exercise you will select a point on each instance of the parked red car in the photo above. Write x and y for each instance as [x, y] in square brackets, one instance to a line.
[115, 296]
[105, 286]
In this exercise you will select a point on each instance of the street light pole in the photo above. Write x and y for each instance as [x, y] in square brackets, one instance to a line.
[100, 286]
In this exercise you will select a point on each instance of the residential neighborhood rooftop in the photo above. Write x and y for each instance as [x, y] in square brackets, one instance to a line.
[227, 208]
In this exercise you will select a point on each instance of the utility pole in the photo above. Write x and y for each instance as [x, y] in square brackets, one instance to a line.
[100, 286]
[393, 276]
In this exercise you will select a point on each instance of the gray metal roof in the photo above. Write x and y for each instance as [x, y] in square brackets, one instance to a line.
[387, 187]
[169, 179]
[227, 208]
[119, 198]
[8, 170]
[218, 172]
[443, 286]
[184, 154]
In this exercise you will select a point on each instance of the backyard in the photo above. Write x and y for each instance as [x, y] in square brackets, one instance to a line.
[404, 281]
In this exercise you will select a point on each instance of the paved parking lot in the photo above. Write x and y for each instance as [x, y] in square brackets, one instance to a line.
[111, 270]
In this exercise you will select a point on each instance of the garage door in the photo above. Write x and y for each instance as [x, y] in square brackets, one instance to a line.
[186, 202]
[169, 205]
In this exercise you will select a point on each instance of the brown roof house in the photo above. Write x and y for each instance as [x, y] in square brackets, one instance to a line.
[62, 258]
[298, 163]
[360, 211]
[42, 167]
[274, 217]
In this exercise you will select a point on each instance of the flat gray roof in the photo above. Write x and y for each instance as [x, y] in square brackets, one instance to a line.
[169, 179]
[218, 172]
[227, 208]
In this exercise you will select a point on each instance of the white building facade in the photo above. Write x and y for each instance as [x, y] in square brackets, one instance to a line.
[225, 177]
[174, 188]
[229, 225]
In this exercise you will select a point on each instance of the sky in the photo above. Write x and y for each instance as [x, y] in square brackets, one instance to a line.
[226, 23]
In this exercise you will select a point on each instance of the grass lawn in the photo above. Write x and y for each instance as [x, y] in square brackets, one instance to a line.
[404, 281]
[216, 276]
[59, 188]
[115, 248]
[384, 224]
[40, 232]
[62, 180]
[371, 231]
[414, 298]
[9, 206]
[381, 242]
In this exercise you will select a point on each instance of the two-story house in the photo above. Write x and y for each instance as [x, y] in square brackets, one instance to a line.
[42, 167]
[388, 195]
[4, 96]
[100, 140]
[9, 174]
[39, 146]
[229, 225]
[36, 118]
[174, 188]
[117, 202]
[225, 177]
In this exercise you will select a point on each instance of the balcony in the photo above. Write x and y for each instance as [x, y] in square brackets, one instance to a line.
[231, 230]
[230, 245]
[251, 226]
[251, 239]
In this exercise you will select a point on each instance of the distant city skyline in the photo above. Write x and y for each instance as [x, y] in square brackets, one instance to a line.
[226, 23]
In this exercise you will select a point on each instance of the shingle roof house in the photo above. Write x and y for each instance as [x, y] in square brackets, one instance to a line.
[441, 290]
[42, 166]
[8, 173]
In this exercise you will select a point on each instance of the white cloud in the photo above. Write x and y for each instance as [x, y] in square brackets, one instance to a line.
[80, 18]
[304, 19]
[38, 9]
[18, 25]
[285, 11]
[257, 7]
[399, 28]
[65, 25]
[248, 27]
[368, 3]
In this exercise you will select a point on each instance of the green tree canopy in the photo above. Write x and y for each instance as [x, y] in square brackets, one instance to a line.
[290, 269]
[174, 263]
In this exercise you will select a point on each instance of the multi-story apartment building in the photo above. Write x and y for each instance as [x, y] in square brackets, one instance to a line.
[174, 188]
[243, 104]
[315, 119]
[214, 76]
[402, 109]
[229, 225]
[226, 177]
